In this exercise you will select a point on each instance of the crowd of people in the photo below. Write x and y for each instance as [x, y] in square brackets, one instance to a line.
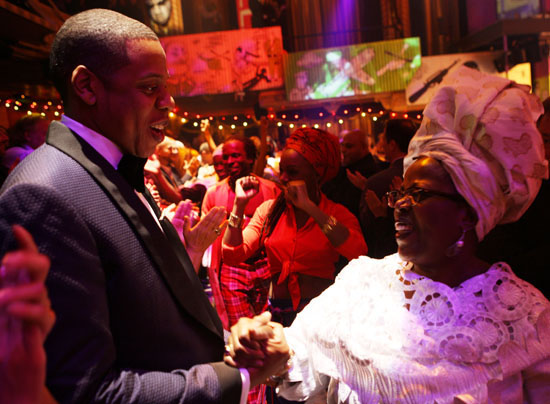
[138, 269]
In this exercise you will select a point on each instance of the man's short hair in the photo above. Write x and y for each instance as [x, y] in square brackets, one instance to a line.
[401, 132]
[249, 147]
[94, 38]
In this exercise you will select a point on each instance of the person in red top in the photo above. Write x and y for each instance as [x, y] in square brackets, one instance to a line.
[304, 233]
[240, 289]
[243, 288]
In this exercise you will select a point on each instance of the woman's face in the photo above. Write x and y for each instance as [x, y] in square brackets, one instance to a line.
[425, 231]
[295, 167]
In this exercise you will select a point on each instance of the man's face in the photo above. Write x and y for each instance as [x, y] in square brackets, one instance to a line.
[237, 165]
[159, 10]
[133, 103]
[354, 148]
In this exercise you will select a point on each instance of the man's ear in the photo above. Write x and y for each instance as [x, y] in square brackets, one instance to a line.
[85, 84]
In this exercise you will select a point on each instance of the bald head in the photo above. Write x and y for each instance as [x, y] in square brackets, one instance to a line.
[354, 146]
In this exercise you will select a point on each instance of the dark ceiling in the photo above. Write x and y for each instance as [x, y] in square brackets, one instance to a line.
[25, 38]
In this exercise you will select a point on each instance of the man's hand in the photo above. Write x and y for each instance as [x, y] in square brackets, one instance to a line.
[199, 237]
[379, 208]
[259, 345]
[246, 188]
[356, 179]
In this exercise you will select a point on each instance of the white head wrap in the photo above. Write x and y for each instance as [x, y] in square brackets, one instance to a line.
[482, 130]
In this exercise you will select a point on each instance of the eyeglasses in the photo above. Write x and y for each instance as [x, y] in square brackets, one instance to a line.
[417, 195]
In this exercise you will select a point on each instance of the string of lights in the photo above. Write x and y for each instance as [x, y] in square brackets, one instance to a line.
[317, 117]
[26, 105]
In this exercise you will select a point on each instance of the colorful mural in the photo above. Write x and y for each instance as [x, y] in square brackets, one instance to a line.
[224, 62]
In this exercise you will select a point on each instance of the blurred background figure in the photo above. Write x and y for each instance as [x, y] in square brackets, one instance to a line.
[206, 173]
[28, 133]
[357, 165]
[375, 216]
[376, 150]
[160, 168]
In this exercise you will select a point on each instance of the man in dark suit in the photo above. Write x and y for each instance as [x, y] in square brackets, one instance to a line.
[133, 324]
[375, 216]
[357, 162]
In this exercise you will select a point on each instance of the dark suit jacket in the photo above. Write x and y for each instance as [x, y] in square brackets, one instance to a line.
[133, 323]
[340, 189]
[379, 232]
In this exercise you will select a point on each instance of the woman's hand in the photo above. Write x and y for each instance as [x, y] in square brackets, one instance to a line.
[245, 189]
[296, 193]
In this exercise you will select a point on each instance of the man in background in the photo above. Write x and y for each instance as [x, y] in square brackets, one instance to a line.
[376, 220]
[238, 290]
[28, 133]
[357, 164]
[241, 290]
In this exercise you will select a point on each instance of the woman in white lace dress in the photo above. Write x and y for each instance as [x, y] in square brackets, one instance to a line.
[433, 323]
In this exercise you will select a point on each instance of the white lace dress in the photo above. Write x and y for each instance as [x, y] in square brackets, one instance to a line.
[369, 339]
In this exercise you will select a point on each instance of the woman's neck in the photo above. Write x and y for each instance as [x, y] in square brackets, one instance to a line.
[454, 271]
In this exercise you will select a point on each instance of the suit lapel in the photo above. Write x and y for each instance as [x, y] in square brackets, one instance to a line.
[170, 258]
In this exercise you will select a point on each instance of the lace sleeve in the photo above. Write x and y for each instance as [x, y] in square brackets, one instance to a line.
[302, 381]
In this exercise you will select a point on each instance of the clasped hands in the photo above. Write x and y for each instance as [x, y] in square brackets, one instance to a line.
[259, 345]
